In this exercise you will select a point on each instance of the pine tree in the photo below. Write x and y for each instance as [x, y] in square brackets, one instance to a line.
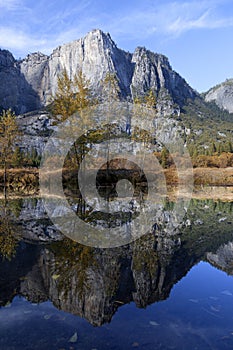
[17, 157]
[71, 96]
[82, 90]
[212, 148]
[219, 148]
[164, 157]
[228, 147]
[195, 153]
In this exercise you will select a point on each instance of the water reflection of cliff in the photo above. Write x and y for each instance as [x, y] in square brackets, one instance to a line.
[93, 283]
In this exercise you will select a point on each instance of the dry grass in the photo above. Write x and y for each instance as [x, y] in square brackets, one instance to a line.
[213, 176]
[28, 179]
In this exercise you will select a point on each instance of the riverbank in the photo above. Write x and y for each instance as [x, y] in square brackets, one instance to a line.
[26, 180]
[204, 176]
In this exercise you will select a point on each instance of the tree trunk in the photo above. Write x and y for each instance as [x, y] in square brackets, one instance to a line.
[5, 180]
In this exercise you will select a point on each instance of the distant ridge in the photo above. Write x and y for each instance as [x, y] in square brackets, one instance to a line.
[222, 95]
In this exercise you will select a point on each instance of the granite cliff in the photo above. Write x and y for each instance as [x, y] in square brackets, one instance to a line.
[27, 87]
[222, 95]
[15, 91]
[29, 84]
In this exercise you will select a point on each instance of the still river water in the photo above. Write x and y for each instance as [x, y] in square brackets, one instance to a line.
[165, 290]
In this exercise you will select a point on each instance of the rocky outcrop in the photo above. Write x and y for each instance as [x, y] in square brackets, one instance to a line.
[30, 83]
[34, 69]
[16, 92]
[223, 258]
[38, 126]
[222, 95]
[153, 71]
[35, 224]
[35, 127]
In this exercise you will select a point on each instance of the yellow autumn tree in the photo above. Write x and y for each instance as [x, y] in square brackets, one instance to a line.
[71, 95]
[144, 111]
[63, 104]
[110, 95]
[9, 135]
[75, 96]
[150, 99]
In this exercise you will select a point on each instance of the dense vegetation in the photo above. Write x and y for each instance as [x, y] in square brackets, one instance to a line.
[208, 128]
[207, 133]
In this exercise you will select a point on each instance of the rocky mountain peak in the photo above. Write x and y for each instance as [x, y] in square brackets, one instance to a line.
[153, 71]
[101, 37]
[6, 59]
[96, 54]
[141, 53]
[32, 82]
[36, 57]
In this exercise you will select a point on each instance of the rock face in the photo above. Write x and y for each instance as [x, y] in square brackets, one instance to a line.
[30, 83]
[153, 71]
[35, 127]
[222, 95]
[16, 91]
[34, 68]
[35, 224]
[96, 54]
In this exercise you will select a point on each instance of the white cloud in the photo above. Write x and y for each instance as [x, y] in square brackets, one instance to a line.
[10, 5]
[185, 21]
[42, 27]
[171, 19]
[10, 38]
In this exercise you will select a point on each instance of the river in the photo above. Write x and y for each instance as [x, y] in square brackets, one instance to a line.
[169, 289]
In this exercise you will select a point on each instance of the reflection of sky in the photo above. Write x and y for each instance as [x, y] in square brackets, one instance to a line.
[21, 311]
[204, 281]
[198, 313]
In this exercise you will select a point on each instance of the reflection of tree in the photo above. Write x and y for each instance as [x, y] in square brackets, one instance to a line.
[9, 238]
[142, 261]
[144, 112]
[73, 259]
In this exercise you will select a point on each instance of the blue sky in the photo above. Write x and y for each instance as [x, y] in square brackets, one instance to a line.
[196, 36]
